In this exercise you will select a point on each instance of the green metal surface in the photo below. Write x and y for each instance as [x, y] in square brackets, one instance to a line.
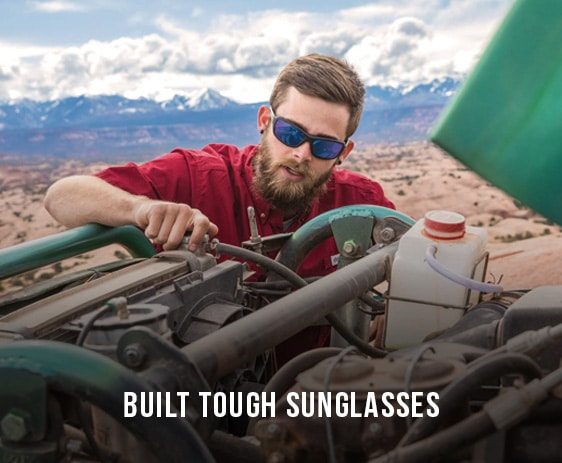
[505, 123]
[69, 243]
[101, 381]
[353, 236]
[320, 228]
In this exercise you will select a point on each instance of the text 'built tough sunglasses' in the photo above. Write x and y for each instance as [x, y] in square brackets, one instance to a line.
[291, 135]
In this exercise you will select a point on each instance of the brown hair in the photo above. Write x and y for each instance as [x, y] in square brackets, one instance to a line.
[325, 77]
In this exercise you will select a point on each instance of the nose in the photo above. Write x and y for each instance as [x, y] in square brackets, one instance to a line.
[303, 152]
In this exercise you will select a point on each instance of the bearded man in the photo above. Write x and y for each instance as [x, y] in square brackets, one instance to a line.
[289, 178]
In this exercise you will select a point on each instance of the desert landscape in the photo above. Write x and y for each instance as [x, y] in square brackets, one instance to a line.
[525, 249]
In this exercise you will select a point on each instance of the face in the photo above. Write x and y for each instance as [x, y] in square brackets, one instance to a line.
[290, 178]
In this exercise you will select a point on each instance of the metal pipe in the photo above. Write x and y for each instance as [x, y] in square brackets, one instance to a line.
[244, 339]
[319, 228]
[103, 382]
[69, 243]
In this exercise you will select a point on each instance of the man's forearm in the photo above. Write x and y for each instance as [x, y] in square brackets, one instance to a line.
[82, 199]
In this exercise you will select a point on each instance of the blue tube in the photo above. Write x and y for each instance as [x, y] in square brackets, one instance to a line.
[455, 277]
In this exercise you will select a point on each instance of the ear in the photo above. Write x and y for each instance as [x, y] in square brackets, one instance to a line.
[263, 118]
[348, 148]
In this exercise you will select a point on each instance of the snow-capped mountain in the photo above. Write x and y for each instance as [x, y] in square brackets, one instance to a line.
[207, 99]
[87, 111]
[103, 109]
[108, 123]
[436, 92]
[200, 100]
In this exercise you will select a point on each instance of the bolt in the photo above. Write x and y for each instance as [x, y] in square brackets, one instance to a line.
[276, 457]
[184, 243]
[387, 234]
[375, 428]
[273, 429]
[74, 446]
[350, 247]
[14, 426]
[134, 355]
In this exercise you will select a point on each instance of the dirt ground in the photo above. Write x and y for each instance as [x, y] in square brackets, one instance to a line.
[525, 249]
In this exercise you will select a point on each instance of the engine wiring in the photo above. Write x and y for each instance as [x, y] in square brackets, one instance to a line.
[298, 282]
[117, 305]
[327, 378]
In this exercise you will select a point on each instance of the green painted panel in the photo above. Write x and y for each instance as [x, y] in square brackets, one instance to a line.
[505, 123]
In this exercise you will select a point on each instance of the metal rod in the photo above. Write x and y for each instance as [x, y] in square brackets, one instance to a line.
[69, 243]
[232, 346]
[254, 235]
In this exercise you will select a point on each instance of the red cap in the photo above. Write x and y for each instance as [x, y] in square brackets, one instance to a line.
[445, 225]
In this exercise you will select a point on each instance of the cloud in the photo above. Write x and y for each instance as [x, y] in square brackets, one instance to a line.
[332, 43]
[56, 6]
[397, 52]
[197, 12]
[240, 55]
[7, 73]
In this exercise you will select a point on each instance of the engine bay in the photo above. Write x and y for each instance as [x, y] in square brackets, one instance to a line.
[174, 356]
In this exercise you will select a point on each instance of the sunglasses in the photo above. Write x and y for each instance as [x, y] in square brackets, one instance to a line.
[290, 135]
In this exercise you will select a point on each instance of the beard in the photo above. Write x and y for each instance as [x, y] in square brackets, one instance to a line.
[282, 193]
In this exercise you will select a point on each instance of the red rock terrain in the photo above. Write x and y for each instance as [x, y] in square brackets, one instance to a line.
[525, 249]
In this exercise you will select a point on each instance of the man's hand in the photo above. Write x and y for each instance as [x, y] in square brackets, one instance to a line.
[166, 223]
[82, 199]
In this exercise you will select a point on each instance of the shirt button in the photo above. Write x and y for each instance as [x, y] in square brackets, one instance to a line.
[262, 215]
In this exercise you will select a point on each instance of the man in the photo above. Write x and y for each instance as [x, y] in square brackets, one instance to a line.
[289, 178]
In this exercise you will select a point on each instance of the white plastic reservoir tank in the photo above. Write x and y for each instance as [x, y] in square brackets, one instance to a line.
[422, 300]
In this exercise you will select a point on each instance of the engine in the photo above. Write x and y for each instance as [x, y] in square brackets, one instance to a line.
[172, 356]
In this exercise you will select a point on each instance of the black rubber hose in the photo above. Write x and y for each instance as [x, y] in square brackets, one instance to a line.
[477, 327]
[299, 282]
[274, 323]
[260, 259]
[439, 446]
[284, 378]
[284, 285]
[459, 389]
[89, 325]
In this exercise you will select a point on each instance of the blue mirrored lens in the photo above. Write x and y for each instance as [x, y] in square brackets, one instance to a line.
[288, 134]
[292, 136]
[326, 149]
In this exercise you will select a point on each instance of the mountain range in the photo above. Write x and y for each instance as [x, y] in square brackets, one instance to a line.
[109, 126]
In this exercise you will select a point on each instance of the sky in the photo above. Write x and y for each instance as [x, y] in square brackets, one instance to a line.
[155, 49]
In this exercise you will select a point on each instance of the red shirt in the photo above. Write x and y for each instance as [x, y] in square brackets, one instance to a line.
[217, 180]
